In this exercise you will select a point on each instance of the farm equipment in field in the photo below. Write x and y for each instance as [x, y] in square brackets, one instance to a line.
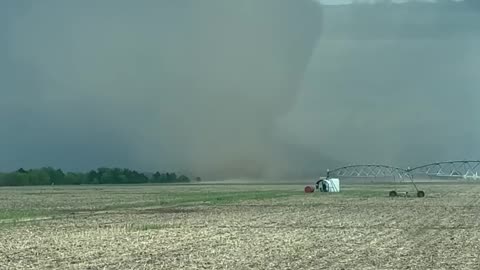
[328, 185]
[324, 185]
[373, 172]
[394, 193]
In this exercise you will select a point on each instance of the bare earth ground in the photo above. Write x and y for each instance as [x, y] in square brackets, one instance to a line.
[239, 227]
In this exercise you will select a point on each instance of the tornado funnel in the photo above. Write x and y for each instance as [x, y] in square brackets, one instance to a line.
[251, 54]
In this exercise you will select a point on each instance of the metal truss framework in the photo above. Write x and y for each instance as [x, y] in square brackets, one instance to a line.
[369, 170]
[460, 168]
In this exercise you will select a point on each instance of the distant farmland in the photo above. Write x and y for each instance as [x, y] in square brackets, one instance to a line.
[239, 227]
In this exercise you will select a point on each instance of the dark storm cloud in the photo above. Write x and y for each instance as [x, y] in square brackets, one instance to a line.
[216, 87]
[182, 85]
[394, 84]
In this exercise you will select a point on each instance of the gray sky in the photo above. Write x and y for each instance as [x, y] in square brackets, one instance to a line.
[237, 88]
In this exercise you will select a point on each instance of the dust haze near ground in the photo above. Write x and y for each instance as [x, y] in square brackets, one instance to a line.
[237, 88]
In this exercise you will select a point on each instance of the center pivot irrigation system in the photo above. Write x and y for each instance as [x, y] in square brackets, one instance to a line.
[466, 169]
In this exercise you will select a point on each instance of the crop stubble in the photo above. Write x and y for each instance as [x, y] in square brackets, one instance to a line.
[295, 231]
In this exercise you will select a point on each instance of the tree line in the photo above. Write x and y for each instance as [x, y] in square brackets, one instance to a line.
[52, 176]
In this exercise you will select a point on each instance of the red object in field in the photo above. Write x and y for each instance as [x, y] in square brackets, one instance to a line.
[309, 189]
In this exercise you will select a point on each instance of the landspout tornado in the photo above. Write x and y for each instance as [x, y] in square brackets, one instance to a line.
[251, 54]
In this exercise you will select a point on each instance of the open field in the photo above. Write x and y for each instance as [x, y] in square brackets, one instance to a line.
[239, 227]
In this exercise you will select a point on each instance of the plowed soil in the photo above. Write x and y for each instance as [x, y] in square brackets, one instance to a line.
[239, 227]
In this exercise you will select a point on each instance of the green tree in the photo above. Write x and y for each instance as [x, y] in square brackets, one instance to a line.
[21, 170]
[49, 175]
[39, 177]
[56, 176]
[156, 177]
[73, 179]
[93, 177]
[107, 177]
[183, 179]
[171, 177]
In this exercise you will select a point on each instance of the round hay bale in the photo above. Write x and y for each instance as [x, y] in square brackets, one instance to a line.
[392, 193]
[309, 189]
[420, 194]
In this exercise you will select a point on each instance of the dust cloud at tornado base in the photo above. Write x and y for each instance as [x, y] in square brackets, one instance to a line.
[238, 88]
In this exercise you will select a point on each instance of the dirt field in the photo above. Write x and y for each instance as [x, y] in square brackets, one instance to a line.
[238, 227]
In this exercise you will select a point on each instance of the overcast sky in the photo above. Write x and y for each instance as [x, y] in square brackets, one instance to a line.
[221, 88]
